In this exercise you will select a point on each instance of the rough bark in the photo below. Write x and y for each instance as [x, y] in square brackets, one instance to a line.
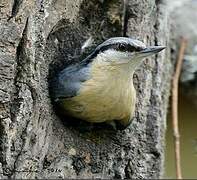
[39, 38]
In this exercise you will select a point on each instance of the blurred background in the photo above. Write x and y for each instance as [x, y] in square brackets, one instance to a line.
[184, 23]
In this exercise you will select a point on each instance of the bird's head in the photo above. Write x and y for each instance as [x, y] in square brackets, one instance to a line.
[125, 51]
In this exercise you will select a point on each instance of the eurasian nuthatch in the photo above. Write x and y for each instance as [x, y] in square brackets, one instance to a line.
[100, 87]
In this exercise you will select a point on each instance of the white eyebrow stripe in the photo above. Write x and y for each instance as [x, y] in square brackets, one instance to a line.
[137, 43]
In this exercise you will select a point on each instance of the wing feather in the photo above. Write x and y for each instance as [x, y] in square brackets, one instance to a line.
[68, 82]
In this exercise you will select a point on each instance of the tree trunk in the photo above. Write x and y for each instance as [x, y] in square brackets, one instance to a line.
[38, 39]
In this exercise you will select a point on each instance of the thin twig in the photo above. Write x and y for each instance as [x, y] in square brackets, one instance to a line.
[175, 82]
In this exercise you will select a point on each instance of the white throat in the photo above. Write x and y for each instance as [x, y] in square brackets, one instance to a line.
[122, 61]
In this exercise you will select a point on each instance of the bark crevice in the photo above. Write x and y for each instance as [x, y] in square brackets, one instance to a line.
[20, 56]
[15, 7]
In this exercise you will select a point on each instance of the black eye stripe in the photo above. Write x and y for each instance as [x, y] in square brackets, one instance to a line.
[127, 48]
[120, 47]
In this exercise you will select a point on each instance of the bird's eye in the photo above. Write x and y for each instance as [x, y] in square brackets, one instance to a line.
[122, 47]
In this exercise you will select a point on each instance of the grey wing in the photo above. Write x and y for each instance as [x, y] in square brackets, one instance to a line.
[67, 84]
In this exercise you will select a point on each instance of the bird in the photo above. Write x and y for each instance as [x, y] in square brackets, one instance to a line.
[100, 87]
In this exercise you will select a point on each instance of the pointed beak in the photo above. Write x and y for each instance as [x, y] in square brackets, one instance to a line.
[152, 50]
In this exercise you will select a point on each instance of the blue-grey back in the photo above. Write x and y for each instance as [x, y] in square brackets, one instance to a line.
[68, 82]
